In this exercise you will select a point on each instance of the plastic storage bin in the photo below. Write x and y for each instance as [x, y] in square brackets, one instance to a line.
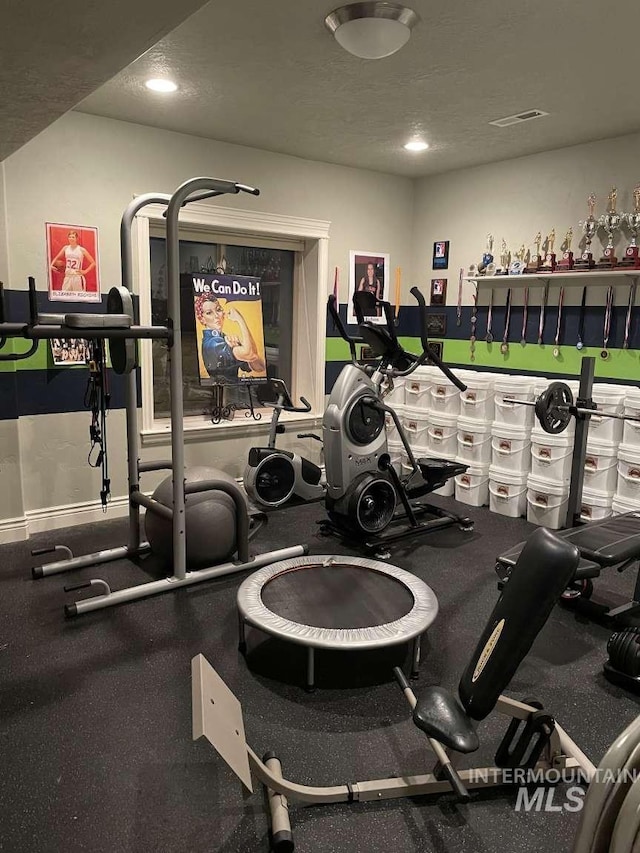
[621, 505]
[631, 429]
[547, 502]
[595, 505]
[601, 466]
[474, 441]
[511, 447]
[417, 387]
[551, 456]
[442, 435]
[508, 388]
[397, 454]
[477, 401]
[444, 397]
[395, 398]
[416, 425]
[609, 398]
[628, 486]
[389, 423]
[507, 492]
[472, 487]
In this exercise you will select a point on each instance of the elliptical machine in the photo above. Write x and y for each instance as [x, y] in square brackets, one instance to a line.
[273, 477]
[367, 500]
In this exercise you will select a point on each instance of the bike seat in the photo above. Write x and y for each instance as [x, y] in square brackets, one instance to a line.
[439, 714]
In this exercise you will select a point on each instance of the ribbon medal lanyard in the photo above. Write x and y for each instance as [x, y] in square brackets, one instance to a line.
[525, 317]
[556, 340]
[627, 322]
[504, 346]
[474, 323]
[583, 306]
[459, 305]
[489, 336]
[607, 323]
[543, 306]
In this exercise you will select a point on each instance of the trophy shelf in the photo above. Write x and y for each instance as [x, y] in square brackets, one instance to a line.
[559, 276]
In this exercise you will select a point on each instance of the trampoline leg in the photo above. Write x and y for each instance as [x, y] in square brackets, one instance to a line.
[311, 670]
[242, 635]
[415, 656]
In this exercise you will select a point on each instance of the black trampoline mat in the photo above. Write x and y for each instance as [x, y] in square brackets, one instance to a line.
[337, 596]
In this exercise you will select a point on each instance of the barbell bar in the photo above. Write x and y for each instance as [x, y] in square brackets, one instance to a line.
[555, 407]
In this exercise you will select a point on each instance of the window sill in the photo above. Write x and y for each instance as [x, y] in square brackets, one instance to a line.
[199, 429]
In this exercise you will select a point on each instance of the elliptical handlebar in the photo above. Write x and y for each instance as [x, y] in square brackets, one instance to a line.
[428, 352]
[337, 319]
[283, 407]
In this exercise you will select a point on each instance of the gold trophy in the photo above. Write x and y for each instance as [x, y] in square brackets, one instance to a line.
[632, 252]
[610, 222]
[503, 268]
[549, 263]
[535, 261]
[589, 228]
[566, 261]
[518, 263]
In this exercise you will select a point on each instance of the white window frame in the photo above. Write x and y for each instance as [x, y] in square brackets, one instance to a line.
[310, 237]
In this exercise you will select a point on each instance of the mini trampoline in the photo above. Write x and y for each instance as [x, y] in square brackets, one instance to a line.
[339, 603]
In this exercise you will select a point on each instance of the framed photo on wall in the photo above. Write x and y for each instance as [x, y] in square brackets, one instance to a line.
[436, 325]
[438, 291]
[369, 272]
[436, 346]
[67, 352]
[72, 263]
[440, 255]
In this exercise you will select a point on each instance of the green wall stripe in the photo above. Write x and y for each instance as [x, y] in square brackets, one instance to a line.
[621, 364]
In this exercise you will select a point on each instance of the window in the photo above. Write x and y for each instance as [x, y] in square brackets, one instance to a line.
[290, 253]
[274, 267]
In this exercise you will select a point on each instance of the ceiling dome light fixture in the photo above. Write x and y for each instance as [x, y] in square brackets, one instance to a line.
[159, 85]
[416, 145]
[373, 29]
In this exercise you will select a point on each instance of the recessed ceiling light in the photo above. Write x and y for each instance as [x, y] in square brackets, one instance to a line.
[161, 85]
[416, 145]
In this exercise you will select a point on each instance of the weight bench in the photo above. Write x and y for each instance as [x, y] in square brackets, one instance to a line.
[612, 542]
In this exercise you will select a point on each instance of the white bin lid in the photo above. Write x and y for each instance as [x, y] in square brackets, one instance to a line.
[547, 439]
[511, 478]
[551, 487]
[473, 425]
[500, 430]
[443, 418]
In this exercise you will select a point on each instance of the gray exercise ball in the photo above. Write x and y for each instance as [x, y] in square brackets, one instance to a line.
[210, 521]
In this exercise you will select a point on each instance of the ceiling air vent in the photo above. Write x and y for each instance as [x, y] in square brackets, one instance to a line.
[516, 119]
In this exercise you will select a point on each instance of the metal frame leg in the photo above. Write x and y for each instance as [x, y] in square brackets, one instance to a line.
[416, 649]
[242, 635]
[311, 669]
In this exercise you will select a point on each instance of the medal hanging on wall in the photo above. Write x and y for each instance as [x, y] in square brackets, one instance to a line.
[607, 323]
[525, 317]
[459, 305]
[474, 322]
[504, 346]
[543, 308]
[489, 337]
[556, 340]
[583, 308]
[627, 322]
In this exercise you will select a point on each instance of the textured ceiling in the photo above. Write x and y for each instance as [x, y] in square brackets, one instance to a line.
[268, 75]
[54, 54]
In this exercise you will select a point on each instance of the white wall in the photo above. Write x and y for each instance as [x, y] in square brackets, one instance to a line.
[85, 170]
[515, 199]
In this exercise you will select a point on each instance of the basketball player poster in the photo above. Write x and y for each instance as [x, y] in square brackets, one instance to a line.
[72, 263]
[229, 328]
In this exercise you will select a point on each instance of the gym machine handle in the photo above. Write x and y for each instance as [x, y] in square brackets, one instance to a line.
[335, 316]
[305, 407]
[14, 356]
[425, 342]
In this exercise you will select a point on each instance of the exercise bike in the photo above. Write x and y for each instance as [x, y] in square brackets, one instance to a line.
[272, 477]
[368, 501]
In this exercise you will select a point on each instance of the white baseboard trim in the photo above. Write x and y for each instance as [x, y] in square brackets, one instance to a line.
[70, 515]
[13, 530]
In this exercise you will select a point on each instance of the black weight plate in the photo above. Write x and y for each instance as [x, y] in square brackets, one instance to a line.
[552, 408]
[123, 351]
